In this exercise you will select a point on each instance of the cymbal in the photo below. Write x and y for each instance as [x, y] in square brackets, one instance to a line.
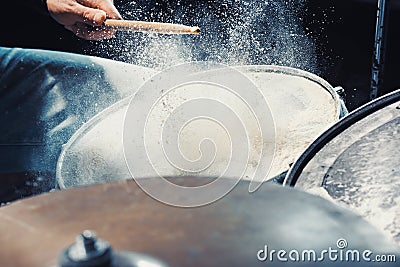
[229, 232]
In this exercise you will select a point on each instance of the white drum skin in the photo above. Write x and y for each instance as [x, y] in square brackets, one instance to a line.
[302, 105]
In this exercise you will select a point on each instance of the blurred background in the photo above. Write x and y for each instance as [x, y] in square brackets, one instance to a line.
[332, 38]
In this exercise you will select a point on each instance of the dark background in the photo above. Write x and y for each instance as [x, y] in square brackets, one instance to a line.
[343, 31]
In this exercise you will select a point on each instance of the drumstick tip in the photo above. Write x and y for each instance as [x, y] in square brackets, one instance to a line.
[195, 30]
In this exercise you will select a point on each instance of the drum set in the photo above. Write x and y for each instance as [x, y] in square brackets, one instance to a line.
[349, 160]
[282, 174]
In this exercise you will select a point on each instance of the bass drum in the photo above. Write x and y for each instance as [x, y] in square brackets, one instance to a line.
[356, 163]
[302, 106]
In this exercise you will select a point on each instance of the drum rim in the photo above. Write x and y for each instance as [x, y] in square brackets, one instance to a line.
[87, 126]
[346, 122]
[242, 68]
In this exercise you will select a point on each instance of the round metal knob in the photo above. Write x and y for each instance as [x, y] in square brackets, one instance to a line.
[87, 251]
[90, 251]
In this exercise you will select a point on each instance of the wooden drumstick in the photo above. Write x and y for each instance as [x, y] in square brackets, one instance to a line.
[156, 27]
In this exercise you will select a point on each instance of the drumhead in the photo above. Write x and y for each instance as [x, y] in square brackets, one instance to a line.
[302, 105]
[356, 163]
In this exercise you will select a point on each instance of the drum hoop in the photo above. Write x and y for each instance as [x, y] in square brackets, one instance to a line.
[87, 126]
[343, 124]
[298, 73]
[245, 68]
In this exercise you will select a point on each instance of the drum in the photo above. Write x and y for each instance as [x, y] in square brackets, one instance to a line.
[238, 230]
[302, 106]
[356, 163]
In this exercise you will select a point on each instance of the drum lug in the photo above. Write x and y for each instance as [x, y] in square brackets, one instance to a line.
[341, 93]
[342, 97]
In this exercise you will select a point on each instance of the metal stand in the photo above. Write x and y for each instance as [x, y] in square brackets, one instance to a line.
[379, 48]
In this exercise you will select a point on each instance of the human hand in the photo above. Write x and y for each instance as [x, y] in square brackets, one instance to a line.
[84, 17]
